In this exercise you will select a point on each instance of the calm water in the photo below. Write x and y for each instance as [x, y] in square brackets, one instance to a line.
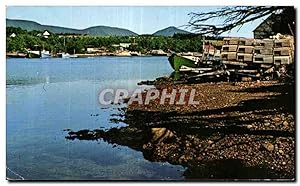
[46, 96]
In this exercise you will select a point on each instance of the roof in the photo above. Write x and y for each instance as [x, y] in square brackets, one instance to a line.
[46, 33]
[264, 21]
[274, 18]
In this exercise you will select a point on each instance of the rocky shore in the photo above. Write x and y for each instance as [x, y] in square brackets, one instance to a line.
[243, 130]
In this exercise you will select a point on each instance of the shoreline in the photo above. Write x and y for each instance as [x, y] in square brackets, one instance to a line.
[83, 55]
[241, 126]
[87, 56]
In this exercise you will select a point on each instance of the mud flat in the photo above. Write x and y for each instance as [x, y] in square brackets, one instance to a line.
[242, 130]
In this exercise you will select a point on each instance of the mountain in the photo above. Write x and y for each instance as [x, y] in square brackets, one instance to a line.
[170, 31]
[94, 31]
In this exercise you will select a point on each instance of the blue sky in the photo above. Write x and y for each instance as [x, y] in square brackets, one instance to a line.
[142, 20]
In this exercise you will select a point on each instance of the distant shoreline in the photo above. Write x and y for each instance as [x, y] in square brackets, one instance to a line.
[84, 56]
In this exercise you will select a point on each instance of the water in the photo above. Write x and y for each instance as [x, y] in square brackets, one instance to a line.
[46, 96]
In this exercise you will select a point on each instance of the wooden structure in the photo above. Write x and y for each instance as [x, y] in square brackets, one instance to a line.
[247, 56]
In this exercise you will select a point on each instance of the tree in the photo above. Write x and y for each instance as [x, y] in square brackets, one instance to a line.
[233, 17]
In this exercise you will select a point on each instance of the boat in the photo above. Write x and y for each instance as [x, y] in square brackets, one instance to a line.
[135, 53]
[67, 55]
[45, 54]
[16, 55]
[177, 61]
[33, 54]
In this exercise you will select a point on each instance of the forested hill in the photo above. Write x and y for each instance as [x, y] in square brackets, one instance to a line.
[170, 31]
[94, 31]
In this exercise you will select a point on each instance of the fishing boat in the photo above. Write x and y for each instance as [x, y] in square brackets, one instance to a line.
[177, 61]
[67, 55]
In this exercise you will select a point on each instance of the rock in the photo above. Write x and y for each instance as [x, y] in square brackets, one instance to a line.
[267, 124]
[277, 119]
[249, 126]
[159, 134]
[284, 163]
[210, 142]
[285, 123]
[281, 151]
[269, 146]
[144, 146]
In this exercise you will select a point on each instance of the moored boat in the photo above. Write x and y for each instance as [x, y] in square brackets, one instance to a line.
[16, 55]
[33, 54]
[177, 61]
[45, 54]
[67, 55]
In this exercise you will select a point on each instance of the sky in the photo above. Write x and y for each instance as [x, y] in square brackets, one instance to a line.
[139, 19]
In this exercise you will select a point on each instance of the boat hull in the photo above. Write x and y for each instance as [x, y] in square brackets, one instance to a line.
[66, 55]
[45, 55]
[33, 55]
[177, 61]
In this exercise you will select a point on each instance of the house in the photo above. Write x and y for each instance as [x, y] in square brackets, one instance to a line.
[13, 35]
[121, 46]
[95, 50]
[46, 34]
[280, 22]
[125, 45]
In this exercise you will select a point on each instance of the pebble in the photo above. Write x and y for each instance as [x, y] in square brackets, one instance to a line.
[277, 119]
[249, 126]
[210, 142]
[285, 123]
[269, 146]
[284, 163]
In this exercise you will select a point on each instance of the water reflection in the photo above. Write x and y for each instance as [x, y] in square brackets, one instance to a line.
[214, 157]
[213, 144]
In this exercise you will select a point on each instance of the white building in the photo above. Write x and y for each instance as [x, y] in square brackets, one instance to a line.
[46, 34]
[13, 35]
[125, 45]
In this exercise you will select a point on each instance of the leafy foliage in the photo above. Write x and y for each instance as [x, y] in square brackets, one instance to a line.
[68, 43]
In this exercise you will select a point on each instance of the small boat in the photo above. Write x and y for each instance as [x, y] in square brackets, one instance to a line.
[33, 54]
[16, 55]
[45, 54]
[67, 55]
[177, 61]
[191, 65]
[135, 53]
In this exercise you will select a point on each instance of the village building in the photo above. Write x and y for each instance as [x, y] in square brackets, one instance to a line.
[276, 23]
[121, 46]
[95, 50]
[125, 45]
[13, 35]
[46, 34]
